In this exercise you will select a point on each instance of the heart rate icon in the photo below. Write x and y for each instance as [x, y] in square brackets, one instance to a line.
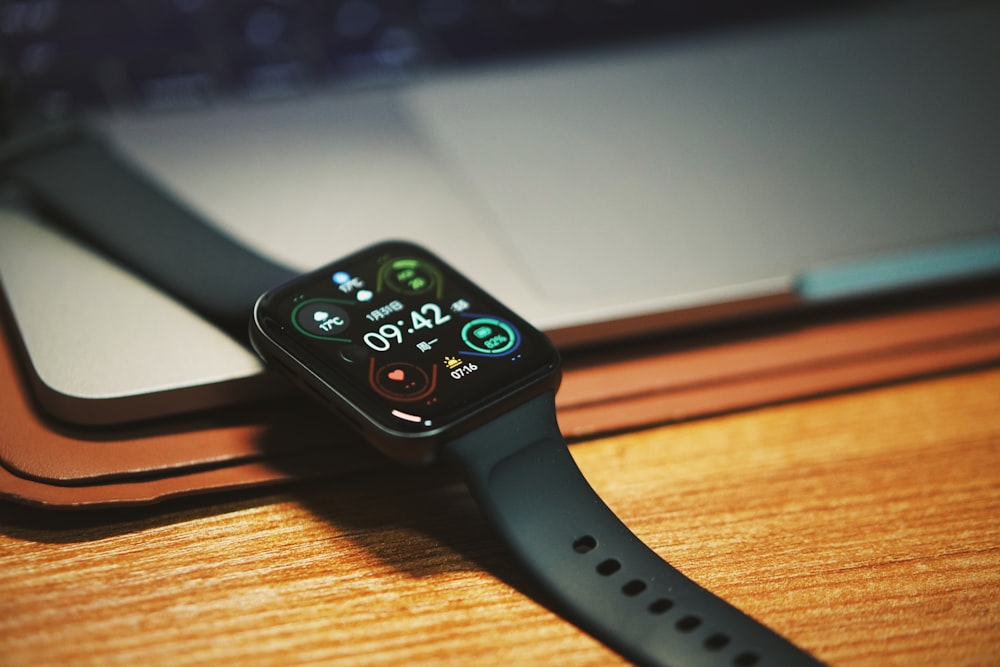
[402, 381]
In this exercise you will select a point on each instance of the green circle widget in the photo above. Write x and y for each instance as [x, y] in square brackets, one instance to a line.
[409, 275]
[322, 319]
[490, 336]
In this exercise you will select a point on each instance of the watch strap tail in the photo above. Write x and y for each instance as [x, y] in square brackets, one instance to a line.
[593, 570]
[83, 184]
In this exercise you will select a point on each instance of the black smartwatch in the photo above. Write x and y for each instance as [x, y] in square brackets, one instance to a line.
[427, 366]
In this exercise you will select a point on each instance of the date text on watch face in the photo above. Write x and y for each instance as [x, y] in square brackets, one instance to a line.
[405, 338]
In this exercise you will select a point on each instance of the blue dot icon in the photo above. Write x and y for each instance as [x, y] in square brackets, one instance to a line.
[341, 277]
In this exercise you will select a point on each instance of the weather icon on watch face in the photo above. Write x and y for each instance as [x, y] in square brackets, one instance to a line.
[321, 318]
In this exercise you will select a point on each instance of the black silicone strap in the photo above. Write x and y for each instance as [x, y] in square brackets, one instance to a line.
[77, 178]
[592, 569]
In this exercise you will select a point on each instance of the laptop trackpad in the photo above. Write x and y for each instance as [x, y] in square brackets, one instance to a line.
[718, 162]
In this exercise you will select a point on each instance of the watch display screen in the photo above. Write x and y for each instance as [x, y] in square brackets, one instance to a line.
[404, 338]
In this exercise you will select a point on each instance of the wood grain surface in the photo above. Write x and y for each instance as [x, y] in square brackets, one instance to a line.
[865, 527]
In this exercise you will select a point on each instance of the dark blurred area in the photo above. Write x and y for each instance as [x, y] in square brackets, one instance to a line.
[60, 57]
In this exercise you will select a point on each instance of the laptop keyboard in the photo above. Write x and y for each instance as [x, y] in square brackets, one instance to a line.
[58, 57]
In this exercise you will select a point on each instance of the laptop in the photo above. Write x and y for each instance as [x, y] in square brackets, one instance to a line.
[656, 180]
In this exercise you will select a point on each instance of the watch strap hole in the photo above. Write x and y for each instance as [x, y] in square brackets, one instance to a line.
[660, 606]
[585, 544]
[716, 642]
[746, 660]
[608, 567]
[688, 623]
[634, 587]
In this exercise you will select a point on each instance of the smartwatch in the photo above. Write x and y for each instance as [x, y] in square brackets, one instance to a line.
[427, 366]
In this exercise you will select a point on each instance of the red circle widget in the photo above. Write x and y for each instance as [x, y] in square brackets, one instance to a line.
[402, 381]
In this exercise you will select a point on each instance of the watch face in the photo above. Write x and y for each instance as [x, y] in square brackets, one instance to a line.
[398, 336]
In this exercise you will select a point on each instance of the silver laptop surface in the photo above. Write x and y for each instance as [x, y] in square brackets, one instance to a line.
[622, 191]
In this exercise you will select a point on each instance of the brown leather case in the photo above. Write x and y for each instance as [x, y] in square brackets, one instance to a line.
[60, 466]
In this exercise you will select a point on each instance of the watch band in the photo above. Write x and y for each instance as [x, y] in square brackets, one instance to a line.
[76, 177]
[589, 566]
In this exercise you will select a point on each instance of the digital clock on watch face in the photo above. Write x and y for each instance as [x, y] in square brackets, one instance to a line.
[398, 336]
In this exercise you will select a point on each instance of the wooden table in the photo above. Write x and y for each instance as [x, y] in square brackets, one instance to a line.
[865, 527]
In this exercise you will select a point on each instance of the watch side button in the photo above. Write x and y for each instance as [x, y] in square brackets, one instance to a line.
[354, 354]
